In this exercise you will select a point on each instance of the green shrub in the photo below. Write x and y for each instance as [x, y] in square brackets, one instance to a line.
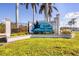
[2, 28]
[21, 28]
[18, 34]
[66, 31]
[42, 47]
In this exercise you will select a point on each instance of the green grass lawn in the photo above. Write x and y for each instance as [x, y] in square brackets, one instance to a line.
[42, 47]
[18, 34]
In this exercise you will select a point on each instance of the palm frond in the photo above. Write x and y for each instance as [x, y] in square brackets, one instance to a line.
[37, 4]
[27, 5]
[50, 9]
[55, 8]
[35, 8]
[32, 4]
[49, 13]
[42, 8]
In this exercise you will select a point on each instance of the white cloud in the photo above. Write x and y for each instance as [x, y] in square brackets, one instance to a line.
[77, 23]
[72, 15]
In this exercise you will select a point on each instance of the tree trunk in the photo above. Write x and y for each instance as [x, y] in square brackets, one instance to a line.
[57, 24]
[49, 19]
[46, 12]
[33, 15]
[17, 15]
[72, 27]
[45, 15]
[28, 27]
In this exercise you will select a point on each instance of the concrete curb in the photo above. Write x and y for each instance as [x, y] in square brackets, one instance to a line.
[11, 39]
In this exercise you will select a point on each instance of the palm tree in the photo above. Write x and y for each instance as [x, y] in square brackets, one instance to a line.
[17, 14]
[47, 9]
[50, 10]
[72, 22]
[34, 8]
[43, 9]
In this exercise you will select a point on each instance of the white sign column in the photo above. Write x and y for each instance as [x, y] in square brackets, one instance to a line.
[8, 27]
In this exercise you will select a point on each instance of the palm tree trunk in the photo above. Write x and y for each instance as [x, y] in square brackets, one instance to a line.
[17, 15]
[49, 19]
[45, 15]
[28, 27]
[46, 11]
[33, 15]
[57, 23]
[72, 27]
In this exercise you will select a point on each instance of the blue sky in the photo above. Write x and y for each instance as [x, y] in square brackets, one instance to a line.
[8, 10]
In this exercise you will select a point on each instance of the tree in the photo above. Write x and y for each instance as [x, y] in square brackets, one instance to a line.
[34, 8]
[17, 14]
[47, 9]
[50, 10]
[72, 22]
[43, 9]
